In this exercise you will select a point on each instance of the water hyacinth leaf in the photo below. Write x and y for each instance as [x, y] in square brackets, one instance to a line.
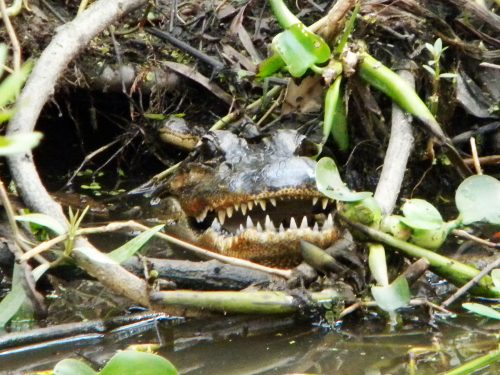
[71, 366]
[420, 214]
[495, 275]
[19, 143]
[270, 66]
[300, 49]
[365, 211]
[44, 221]
[378, 264]
[482, 310]
[392, 297]
[132, 362]
[11, 303]
[127, 250]
[329, 182]
[10, 86]
[335, 121]
[328, 177]
[431, 239]
[478, 199]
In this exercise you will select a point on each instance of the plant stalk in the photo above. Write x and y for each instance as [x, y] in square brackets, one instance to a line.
[283, 15]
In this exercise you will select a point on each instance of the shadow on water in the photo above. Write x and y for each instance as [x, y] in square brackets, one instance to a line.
[242, 345]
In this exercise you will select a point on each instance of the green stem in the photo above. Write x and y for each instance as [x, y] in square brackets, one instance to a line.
[283, 15]
[476, 364]
[260, 302]
[391, 84]
[454, 271]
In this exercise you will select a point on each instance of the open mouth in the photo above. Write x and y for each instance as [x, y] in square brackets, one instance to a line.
[270, 222]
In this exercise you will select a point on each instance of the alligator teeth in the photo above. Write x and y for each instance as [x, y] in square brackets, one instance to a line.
[215, 225]
[303, 224]
[293, 224]
[229, 211]
[281, 228]
[243, 208]
[273, 201]
[324, 202]
[268, 224]
[236, 207]
[241, 230]
[315, 200]
[250, 205]
[202, 216]
[258, 227]
[249, 222]
[316, 227]
[328, 225]
[222, 216]
[262, 204]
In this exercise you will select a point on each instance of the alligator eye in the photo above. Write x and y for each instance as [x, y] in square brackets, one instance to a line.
[307, 148]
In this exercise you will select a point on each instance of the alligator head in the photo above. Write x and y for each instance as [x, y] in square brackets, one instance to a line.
[255, 200]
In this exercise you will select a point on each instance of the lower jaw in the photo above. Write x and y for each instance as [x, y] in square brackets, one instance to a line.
[272, 252]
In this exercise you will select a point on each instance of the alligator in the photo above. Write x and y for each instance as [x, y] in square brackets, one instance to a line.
[254, 198]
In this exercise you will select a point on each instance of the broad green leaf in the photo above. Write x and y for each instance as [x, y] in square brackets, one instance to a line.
[329, 183]
[3, 57]
[335, 121]
[71, 366]
[431, 239]
[366, 211]
[392, 297]
[328, 177]
[377, 264]
[478, 199]
[18, 143]
[6, 115]
[392, 224]
[138, 363]
[495, 275]
[300, 49]
[15, 298]
[482, 310]
[420, 214]
[43, 220]
[270, 66]
[10, 86]
[128, 249]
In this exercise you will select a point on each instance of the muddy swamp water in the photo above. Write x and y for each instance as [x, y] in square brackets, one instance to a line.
[250, 187]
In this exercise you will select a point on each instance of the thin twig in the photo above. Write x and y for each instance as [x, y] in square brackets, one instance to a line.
[473, 282]
[475, 156]
[464, 234]
[16, 48]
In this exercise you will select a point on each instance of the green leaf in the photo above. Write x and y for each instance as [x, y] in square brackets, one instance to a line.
[431, 239]
[335, 120]
[15, 298]
[270, 66]
[482, 310]
[420, 214]
[438, 46]
[366, 211]
[429, 69]
[300, 49]
[392, 297]
[448, 75]
[10, 87]
[128, 249]
[478, 199]
[6, 115]
[495, 275]
[71, 366]
[18, 143]
[138, 363]
[43, 220]
[378, 264]
[430, 48]
[328, 177]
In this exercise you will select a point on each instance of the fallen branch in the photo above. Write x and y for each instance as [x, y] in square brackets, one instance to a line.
[70, 39]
